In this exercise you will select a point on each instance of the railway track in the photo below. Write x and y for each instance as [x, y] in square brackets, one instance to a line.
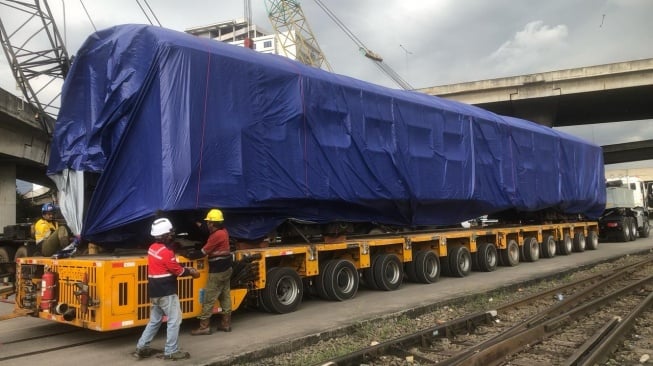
[580, 323]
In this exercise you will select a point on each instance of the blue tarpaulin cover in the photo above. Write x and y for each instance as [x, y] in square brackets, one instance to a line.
[173, 122]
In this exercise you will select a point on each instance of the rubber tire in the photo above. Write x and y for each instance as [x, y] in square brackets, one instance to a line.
[487, 257]
[368, 274]
[26, 251]
[341, 280]
[427, 267]
[320, 280]
[646, 228]
[388, 272]
[549, 247]
[566, 245]
[283, 290]
[592, 241]
[460, 261]
[625, 229]
[531, 249]
[579, 242]
[7, 254]
[510, 255]
[633, 229]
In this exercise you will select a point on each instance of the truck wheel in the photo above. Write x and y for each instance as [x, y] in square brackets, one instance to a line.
[487, 257]
[565, 246]
[320, 280]
[531, 249]
[633, 228]
[592, 240]
[625, 229]
[283, 291]
[644, 233]
[368, 275]
[579, 242]
[549, 247]
[388, 272]
[7, 262]
[460, 261]
[427, 267]
[510, 255]
[341, 280]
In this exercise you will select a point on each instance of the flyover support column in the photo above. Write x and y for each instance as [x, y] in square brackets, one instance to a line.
[7, 194]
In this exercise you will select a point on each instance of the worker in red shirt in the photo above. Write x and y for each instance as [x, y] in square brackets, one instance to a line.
[218, 285]
[162, 272]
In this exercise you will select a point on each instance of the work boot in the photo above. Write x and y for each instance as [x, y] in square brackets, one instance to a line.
[225, 323]
[204, 329]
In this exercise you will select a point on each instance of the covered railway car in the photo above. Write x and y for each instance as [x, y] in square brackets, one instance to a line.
[154, 119]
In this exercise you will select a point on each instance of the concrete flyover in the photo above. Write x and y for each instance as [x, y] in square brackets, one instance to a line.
[24, 151]
[595, 94]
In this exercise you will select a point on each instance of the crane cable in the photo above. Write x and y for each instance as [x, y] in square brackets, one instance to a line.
[378, 60]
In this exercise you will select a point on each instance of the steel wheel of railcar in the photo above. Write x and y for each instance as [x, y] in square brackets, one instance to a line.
[644, 233]
[566, 245]
[549, 247]
[625, 229]
[633, 228]
[487, 257]
[579, 242]
[283, 290]
[426, 266]
[341, 280]
[531, 249]
[592, 241]
[368, 275]
[460, 261]
[388, 272]
[510, 255]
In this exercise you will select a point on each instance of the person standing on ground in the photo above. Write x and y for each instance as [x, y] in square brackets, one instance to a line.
[162, 272]
[218, 285]
[50, 237]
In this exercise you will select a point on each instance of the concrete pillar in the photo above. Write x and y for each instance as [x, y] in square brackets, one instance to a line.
[7, 194]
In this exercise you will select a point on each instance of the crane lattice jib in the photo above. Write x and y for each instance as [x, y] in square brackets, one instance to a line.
[295, 36]
[34, 49]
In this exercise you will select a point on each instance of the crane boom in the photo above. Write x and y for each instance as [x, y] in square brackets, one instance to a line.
[34, 49]
[378, 60]
[294, 34]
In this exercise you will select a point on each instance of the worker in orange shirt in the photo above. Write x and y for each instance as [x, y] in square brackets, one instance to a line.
[220, 269]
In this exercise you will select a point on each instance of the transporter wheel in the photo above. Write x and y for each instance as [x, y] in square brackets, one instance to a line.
[7, 254]
[341, 280]
[633, 228]
[579, 242]
[320, 280]
[388, 272]
[549, 247]
[460, 261]
[592, 241]
[625, 229]
[531, 249]
[510, 255]
[368, 275]
[644, 233]
[426, 266]
[565, 246]
[487, 257]
[283, 291]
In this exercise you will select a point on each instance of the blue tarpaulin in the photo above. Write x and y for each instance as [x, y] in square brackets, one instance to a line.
[174, 122]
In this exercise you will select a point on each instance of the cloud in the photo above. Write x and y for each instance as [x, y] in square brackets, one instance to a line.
[529, 48]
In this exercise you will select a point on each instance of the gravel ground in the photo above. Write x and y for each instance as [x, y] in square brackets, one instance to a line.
[634, 350]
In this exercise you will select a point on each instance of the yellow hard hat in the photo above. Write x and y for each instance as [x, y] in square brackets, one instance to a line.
[214, 215]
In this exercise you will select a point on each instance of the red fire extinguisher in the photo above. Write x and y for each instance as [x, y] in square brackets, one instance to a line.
[48, 290]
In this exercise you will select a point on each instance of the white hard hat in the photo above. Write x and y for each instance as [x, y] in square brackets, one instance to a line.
[161, 227]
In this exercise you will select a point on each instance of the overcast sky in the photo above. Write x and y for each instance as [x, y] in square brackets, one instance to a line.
[427, 42]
